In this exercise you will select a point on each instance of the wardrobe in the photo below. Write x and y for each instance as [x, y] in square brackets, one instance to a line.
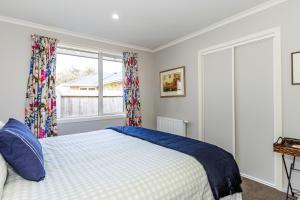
[241, 102]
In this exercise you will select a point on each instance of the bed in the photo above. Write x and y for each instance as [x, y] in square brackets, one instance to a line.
[106, 164]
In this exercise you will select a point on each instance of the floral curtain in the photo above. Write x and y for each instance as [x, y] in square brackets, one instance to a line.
[40, 110]
[131, 90]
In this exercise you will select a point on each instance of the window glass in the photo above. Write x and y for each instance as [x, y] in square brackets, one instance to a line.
[77, 86]
[112, 85]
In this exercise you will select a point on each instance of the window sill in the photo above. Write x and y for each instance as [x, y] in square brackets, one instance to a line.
[94, 118]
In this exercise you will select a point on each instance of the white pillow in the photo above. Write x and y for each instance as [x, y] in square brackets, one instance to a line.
[1, 124]
[3, 174]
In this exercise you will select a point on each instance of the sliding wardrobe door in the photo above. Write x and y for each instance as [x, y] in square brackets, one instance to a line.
[218, 99]
[254, 106]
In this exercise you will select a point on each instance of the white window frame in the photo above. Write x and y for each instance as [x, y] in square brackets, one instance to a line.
[101, 115]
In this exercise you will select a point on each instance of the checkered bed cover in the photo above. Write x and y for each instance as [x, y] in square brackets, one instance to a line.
[109, 165]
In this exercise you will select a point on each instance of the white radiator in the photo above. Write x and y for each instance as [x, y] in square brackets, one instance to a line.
[174, 126]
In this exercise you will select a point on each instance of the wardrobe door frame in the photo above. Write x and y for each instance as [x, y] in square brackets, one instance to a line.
[273, 34]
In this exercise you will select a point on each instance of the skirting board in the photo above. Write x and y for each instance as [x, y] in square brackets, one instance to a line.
[259, 180]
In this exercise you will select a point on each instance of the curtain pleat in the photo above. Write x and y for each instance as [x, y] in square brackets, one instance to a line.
[40, 109]
[131, 90]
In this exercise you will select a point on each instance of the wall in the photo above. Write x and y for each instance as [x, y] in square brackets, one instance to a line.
[15, 52]
[285, 15]
[15, 56]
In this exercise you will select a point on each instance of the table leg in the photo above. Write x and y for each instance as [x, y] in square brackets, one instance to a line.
[288, 174]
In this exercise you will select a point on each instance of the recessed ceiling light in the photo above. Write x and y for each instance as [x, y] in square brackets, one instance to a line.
[115, 16]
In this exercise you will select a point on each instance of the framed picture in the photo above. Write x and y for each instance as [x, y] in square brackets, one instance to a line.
[172, 82]
[296, 68]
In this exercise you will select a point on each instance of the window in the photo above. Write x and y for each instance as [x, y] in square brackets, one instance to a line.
[112, 84]
[78, 89]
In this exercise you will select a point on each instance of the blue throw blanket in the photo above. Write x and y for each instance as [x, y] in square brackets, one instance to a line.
[221, 169]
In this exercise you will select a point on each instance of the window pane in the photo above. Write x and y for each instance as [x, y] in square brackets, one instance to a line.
[76, 84]
[112, 85]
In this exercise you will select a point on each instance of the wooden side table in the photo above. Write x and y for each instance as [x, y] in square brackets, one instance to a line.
[291, 147]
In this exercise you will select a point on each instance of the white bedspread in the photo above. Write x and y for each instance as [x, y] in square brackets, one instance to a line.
[109, 165]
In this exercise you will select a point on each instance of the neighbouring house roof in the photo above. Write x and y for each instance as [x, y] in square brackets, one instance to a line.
[92, 80]
[110, 78]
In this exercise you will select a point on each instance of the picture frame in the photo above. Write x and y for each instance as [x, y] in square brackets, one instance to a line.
[295, 60]
[172, 82]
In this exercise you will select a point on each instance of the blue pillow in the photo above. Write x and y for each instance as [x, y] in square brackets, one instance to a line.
[22, 150]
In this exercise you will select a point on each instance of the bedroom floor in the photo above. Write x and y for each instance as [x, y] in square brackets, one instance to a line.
[255, 191]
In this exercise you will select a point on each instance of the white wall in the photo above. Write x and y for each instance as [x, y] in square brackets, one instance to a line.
[15, 52]
[285, 15]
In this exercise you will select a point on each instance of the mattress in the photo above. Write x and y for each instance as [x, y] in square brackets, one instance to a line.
[108, 165]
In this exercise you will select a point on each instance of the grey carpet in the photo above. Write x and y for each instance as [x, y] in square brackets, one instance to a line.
[255, 191]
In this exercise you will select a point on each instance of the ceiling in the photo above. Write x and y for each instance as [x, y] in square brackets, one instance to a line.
[148, 24]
